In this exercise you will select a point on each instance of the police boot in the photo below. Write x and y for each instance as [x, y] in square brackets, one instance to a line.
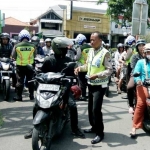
[19, 94]
[31, 91]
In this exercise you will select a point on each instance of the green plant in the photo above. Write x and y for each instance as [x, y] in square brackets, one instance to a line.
[1, 120]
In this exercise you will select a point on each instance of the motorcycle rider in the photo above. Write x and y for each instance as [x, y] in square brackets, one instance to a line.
[134, 59]
[81, 40]
[6, 50]
[130, 42]
[24, 53]
[35, 40]
[5, 46]
[120, 47]
[142, 67]
[47, 48]
[56, 63]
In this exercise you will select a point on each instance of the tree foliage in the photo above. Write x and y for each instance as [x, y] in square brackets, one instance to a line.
[120, 7]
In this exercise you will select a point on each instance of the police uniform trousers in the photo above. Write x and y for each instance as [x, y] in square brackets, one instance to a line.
[21, 73]
[96, 94]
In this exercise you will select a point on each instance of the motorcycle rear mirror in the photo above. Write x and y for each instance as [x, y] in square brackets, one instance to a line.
[137, 74]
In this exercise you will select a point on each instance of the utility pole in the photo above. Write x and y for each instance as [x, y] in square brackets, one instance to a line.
[139, 17]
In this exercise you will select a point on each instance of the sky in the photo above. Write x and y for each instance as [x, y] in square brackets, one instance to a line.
[24, 10]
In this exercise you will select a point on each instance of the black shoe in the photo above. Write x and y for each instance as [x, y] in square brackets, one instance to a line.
[89, 130]
[28, 134]
[82, 99]
[97, 139]
[17, 98]
[31, 97]
[78, 133]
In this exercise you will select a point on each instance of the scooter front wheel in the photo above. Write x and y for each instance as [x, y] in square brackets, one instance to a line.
[6, 89]
[39, 138]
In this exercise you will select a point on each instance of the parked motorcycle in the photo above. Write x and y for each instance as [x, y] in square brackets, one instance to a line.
[52, 113]
[38, 63]
[146, 121]
[6, 70]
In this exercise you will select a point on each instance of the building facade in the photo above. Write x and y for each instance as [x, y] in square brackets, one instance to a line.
[86, 21]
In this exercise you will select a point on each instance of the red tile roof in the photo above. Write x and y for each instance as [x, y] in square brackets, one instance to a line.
[13, 21]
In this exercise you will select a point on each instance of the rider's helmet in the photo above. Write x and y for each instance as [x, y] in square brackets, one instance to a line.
[60, 45]
[5, 36]
[24, 34]
[13, 42]
[80, 39]
[120, 45]
[76, 90]
[130, 40]
[35, 40]
[48, 40]
[107, 45]
[138, 42]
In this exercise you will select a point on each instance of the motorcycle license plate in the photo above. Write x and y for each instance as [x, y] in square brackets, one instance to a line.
[49, 87]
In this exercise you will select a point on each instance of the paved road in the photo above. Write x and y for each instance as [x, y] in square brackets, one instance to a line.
[18, 120]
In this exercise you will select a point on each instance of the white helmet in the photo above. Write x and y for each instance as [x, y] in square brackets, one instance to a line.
[24, 34]
[80, 39]
[48, 40]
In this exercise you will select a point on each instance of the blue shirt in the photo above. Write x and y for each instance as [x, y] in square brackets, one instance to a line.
[140, 67]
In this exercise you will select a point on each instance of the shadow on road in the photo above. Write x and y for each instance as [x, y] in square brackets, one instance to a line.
[118, 140]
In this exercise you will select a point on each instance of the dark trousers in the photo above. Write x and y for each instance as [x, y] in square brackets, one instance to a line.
[96, 94]
[131, 88]
[82, 82]
[72, 109]
[21, 72]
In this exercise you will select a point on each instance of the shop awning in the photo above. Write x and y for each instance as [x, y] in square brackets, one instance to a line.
[51, 21]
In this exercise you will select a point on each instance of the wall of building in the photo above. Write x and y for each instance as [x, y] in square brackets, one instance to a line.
[86, 22]
[11, 29]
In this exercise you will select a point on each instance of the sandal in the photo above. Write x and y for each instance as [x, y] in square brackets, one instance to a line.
[131, 110]
[119, 91]
[133, 134]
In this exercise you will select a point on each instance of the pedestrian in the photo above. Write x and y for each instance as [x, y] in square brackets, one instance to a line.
[98, 67]
[142, 67]
[24, 53]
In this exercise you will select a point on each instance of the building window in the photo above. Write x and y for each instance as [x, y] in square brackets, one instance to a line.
[50, 26]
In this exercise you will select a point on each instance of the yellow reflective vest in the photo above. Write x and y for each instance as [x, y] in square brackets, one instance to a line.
[84, 56]
[95, 65]
[25, 53]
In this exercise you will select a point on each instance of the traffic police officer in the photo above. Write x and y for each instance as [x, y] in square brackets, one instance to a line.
[99, 68]
[24, 53]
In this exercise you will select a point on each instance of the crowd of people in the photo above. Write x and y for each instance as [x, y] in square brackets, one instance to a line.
[94, 68]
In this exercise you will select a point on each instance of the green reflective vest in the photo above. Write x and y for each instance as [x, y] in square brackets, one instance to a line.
[84, 56]
[25, 53]
[95, 65]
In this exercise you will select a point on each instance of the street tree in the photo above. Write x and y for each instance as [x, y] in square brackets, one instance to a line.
[120, 7]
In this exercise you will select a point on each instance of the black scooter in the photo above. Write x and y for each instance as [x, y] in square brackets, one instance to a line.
[52, 113]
